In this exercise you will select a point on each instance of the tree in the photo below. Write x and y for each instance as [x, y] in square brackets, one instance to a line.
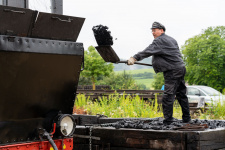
[95, 66]
[122, 81]
[204, 55]
[158, 81]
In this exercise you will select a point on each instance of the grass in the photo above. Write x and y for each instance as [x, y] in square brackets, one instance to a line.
[125, 106]
[216, 111]
[146, 82]
[137, 71]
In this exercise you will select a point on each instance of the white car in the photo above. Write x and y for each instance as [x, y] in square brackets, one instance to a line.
[197, 92]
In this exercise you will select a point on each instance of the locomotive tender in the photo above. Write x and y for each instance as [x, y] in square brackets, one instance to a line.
[40, 64]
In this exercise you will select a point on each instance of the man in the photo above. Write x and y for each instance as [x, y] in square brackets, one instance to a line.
[166, 58]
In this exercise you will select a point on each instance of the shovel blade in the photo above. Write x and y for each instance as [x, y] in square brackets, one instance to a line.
[107, 53]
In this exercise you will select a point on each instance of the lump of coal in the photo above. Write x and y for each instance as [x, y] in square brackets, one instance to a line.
[102, 35]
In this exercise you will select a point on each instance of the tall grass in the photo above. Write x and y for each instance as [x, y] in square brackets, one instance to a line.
[122, 106]
[125, 106]
[215, 111]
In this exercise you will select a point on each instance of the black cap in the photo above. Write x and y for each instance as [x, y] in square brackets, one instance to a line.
[157, 25]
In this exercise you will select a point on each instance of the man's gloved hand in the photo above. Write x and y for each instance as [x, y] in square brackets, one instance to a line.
[131, 61]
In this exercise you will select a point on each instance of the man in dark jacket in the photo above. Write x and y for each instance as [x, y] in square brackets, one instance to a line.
[166, 58]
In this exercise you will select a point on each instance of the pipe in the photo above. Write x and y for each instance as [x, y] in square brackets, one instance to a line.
[50, 140]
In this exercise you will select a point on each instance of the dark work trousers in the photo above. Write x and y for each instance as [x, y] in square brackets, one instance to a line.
[175, 85]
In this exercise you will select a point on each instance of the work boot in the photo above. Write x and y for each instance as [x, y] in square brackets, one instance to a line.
[186, 120]
[169, 121]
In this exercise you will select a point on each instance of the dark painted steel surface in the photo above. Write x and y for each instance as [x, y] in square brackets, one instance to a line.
[107, 53]
[16, 21]
[33, 84]
[20, 130]
[38, 77]
[57, 27]
[24, 44]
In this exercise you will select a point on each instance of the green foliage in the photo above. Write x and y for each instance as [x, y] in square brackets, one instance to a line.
[81, 101]
[216, 111]
[138, 71]
[204, 55]
[84, 80]
[117, 106]
[146, 81]
[158, 81]
[94, 65]
[145, 75]
[121, 81]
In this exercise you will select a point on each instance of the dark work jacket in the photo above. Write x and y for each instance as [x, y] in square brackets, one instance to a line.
[165, 54]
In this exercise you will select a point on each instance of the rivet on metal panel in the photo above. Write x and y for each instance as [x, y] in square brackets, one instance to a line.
[77, 45]
[27, 146]
[17, 147]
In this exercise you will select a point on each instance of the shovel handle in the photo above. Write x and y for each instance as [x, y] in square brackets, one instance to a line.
[134, 63]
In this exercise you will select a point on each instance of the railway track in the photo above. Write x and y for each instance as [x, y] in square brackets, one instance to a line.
[144, 94]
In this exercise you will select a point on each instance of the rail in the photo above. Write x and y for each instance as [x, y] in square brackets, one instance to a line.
[143, 94]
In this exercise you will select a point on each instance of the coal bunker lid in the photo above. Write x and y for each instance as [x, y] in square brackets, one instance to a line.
[57, 27]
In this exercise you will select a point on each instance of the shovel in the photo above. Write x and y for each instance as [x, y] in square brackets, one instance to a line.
[109, 55]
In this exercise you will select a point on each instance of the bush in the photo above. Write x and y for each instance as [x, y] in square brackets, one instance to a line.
[158, 81]
[121, 82]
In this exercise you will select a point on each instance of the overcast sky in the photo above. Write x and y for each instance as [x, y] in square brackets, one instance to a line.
[130, 20]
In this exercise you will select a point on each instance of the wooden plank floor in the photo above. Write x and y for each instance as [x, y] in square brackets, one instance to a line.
[138, 139]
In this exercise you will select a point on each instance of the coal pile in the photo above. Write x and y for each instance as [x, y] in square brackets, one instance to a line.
[157, 124]
[102, 35]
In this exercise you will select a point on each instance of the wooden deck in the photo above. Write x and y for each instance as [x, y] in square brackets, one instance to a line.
[109, 138]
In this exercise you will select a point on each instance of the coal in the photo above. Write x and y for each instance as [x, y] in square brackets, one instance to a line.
[102, 35]
[157, 124]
